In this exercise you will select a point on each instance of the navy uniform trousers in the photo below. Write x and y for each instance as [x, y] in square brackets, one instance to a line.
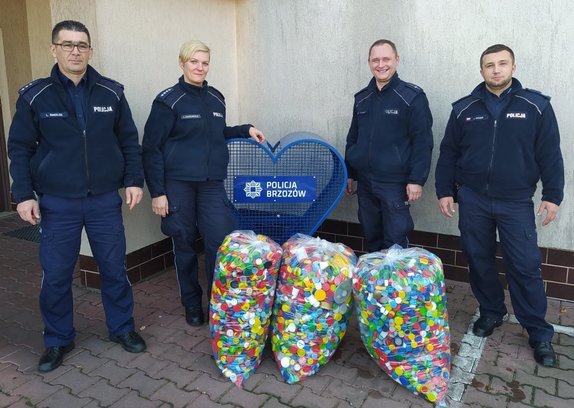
[196, 205]
[384, 214]
[479, 219]
[61, 230]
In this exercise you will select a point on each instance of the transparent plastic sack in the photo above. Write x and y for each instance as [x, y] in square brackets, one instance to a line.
[400, 301]
[241, 304]
[312, 305]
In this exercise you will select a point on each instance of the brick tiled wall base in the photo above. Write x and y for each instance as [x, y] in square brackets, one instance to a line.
[140, 264]
[557, 265]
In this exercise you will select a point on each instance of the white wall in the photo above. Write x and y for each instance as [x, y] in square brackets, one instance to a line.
[295, 65]
[300, 62]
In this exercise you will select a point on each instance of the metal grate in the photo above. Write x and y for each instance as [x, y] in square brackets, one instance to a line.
[30, 233]
[297, 154]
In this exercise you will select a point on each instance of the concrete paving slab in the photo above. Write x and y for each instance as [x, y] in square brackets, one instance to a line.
[178, 369]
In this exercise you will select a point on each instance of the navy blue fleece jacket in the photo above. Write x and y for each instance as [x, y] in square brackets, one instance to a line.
[390, 138]
[185, 136]
[505, 156]
[50, 153]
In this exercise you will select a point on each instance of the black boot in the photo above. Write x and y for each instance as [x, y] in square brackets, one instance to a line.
[485, 325]
[194, 316]
[52, 357]
[544, 353]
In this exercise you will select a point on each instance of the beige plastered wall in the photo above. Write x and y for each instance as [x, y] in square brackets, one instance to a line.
[295, 65]
[4, 88]
[300, 63]
[15, 61]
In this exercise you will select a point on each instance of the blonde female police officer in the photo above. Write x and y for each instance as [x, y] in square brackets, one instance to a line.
[185, 163]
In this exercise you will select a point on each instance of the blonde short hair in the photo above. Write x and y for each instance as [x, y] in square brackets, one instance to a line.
[191, 47]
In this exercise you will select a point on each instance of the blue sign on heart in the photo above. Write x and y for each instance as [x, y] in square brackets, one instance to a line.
[284, 189]
[274, 189]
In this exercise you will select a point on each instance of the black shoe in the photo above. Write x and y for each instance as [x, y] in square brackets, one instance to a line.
[53, 356]
[194, 316]
[544, 353]
[485, 325]
[130, 341]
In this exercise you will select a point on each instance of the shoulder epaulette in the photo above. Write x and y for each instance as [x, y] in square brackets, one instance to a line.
[534, 97]
[463, 103]
[216, 91]
[362, 95]
[536, 92]
[112, 86]
[414, 87]
[361, 91]
[34, 88]
[216, 94]
[170, 96]
[408, 92]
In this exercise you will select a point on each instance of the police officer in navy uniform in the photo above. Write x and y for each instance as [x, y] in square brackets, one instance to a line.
[185, 161]
[72, 145]
[388, 150]
[499, 142]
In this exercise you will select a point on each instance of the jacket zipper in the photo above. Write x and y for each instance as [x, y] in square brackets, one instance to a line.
[85, 138]
[491, 157]
[86, 159]
[371, 136]
[371, 151]
[88, 96]
[205, 98]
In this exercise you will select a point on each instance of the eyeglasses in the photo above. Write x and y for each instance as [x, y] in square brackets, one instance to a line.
[69, 46]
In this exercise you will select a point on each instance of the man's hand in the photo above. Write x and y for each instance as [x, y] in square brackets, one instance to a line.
[160, 205]
[551, 211]
[133, 196]
[414, 192]
[256, 135]
[29, 211]
[350, 190]
[447, 206]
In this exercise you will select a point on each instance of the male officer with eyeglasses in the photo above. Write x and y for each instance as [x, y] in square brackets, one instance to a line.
[72, 145]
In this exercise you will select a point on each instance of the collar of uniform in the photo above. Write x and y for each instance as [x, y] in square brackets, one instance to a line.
[481, 91]
[493, 97]
[194, 89]
[68, 83]
[390, 85]
[91, 76]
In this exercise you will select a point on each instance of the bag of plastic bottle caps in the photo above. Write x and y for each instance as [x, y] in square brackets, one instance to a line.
[312, 304]
[401, 307]
[242, 297]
